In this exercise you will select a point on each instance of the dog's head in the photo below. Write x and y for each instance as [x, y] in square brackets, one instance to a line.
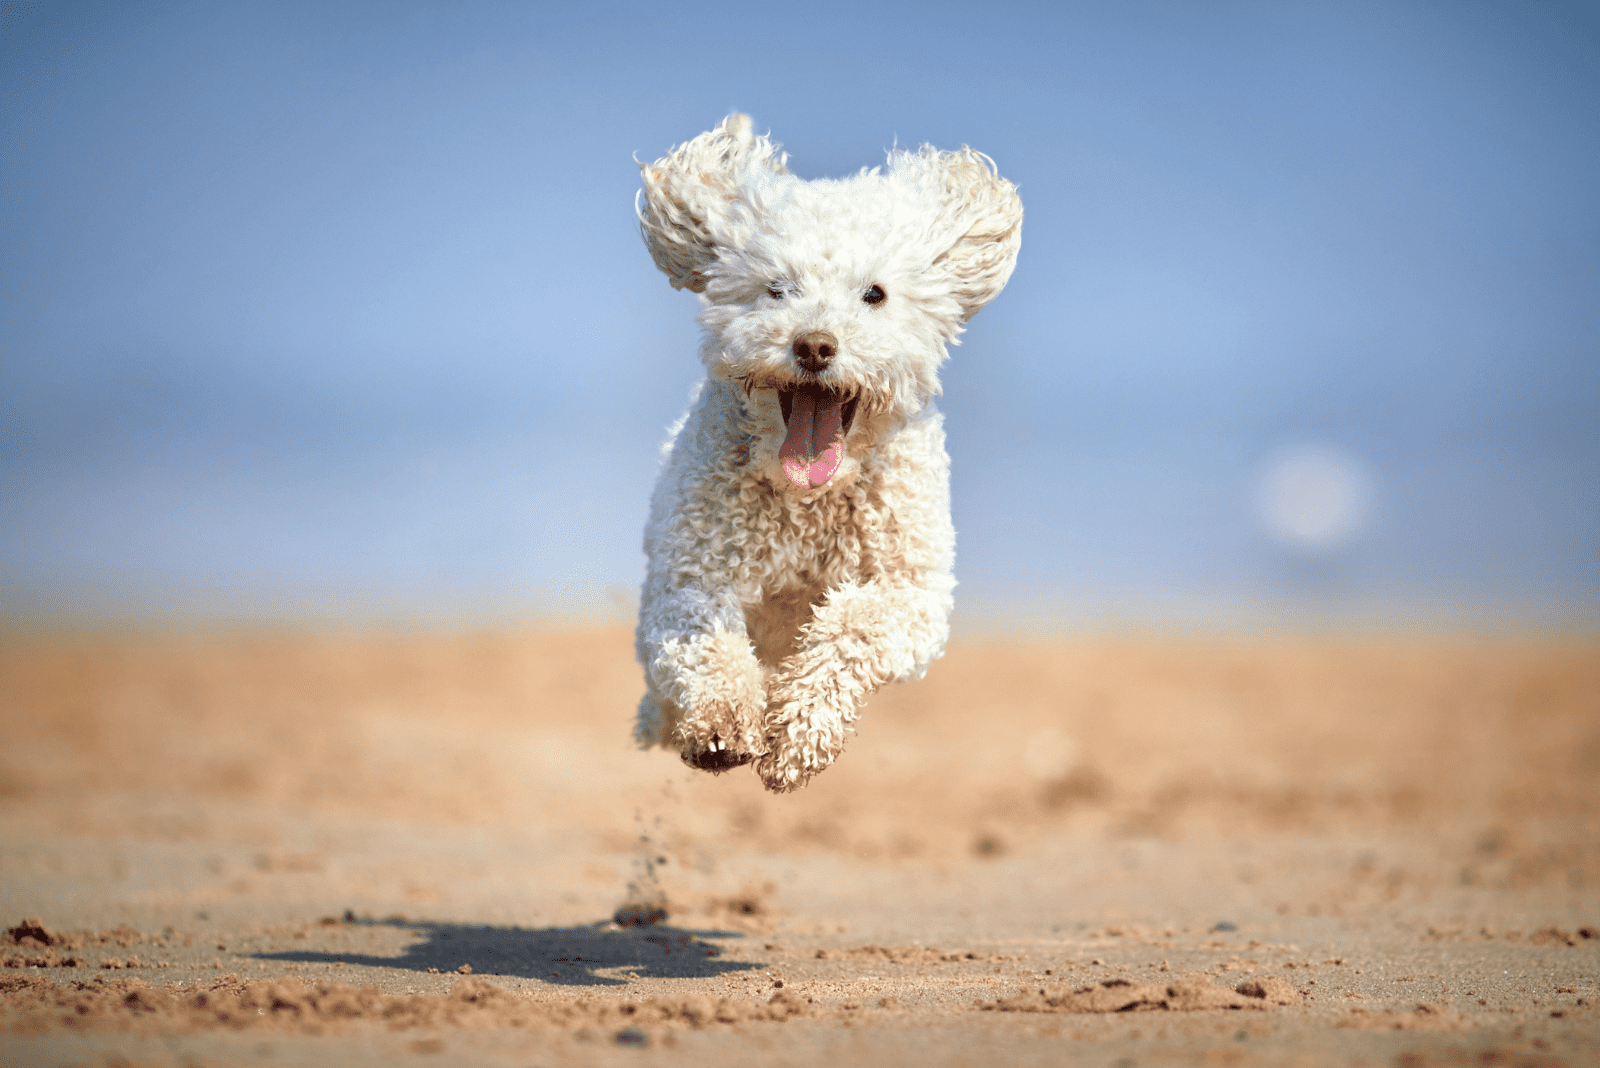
[832, 301]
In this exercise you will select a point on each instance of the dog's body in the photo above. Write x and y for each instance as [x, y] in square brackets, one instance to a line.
[800, 546]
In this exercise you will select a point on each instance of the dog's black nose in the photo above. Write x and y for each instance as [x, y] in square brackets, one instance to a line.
[815, 349]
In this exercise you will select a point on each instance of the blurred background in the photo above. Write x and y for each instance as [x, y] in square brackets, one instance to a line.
[340, 313]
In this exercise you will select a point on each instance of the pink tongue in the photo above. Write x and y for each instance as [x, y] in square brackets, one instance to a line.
[815, 445]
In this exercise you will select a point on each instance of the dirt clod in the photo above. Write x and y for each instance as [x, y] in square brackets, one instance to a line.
[32, 930]
[1271, 988]
[640, 914]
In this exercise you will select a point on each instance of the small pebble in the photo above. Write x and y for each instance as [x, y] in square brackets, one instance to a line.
[1226, 925]
[632, 1036]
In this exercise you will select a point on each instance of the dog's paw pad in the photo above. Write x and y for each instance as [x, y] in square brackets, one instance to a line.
[721, 760]
[716, 757]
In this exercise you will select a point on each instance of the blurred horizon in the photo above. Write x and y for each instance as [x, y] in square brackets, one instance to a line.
[340, 314]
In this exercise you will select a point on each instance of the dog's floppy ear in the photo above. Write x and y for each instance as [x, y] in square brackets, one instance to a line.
[688, 194]
[980, 220]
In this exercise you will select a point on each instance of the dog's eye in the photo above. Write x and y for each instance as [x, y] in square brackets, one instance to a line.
[775, 292]
[874, 295]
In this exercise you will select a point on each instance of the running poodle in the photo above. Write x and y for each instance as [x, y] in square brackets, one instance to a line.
[800, 546]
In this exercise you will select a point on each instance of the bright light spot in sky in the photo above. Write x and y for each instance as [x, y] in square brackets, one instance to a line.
[1313, 498]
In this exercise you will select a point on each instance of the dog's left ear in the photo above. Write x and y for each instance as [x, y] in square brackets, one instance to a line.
[980, 220]
[689, 194]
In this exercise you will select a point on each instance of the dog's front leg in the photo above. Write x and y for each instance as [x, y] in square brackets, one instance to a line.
[706, 690]
[859, 638]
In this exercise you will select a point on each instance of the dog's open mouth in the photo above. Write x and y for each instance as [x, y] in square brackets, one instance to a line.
[818, 418]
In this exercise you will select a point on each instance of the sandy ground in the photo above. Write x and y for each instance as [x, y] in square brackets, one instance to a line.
[372, 849]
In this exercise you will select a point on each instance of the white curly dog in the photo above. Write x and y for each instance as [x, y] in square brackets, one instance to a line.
[800, 546]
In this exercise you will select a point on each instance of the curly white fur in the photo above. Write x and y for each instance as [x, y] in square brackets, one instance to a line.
[786, 584]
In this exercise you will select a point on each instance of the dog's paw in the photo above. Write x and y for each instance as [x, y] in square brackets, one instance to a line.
[716, 756]
[718, 699]
[721, 735]
[805, 727]
[780, 774]
[797, 749]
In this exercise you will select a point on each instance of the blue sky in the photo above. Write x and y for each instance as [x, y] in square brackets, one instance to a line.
[340, 311]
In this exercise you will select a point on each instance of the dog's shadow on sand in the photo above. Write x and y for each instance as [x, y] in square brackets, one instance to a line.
[569, 956]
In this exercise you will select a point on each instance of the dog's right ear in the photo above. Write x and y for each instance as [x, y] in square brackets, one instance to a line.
[688, 194]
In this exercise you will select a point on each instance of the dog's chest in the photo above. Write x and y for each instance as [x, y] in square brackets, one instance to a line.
[794, 544]
[802, 550]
